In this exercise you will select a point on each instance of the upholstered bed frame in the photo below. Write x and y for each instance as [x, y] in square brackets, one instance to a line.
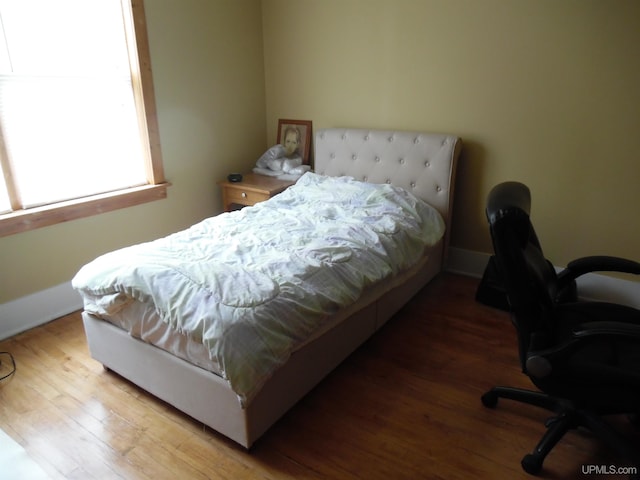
[422, 163]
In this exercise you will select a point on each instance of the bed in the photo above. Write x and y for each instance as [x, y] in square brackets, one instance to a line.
[188, 363]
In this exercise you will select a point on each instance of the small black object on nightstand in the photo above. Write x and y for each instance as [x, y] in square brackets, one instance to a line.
[235, 177]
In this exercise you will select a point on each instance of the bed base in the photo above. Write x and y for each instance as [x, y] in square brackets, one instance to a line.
[207, 397]
[422, 163]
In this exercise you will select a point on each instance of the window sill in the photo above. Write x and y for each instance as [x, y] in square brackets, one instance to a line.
[32, 218]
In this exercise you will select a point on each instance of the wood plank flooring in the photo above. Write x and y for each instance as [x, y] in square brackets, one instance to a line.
[406, 405]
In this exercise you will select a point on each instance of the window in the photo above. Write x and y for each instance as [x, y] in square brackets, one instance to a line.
[78, 130]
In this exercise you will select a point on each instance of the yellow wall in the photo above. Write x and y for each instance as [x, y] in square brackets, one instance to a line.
[207, 62]
[542, 91]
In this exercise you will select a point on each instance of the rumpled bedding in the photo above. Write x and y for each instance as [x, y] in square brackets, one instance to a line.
[254, 284]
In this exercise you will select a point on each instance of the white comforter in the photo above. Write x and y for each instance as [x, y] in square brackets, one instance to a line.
[253, 284]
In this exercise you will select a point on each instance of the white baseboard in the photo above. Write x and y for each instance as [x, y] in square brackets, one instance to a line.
[41, 307]
[592, 286]
[37, 309]
[467, 262]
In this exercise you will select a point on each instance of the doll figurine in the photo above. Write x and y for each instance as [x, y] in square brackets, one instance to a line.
[283, 159]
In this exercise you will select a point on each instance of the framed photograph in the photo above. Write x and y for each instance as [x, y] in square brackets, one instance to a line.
[295, 136]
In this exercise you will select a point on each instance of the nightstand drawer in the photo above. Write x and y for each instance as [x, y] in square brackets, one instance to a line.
[245, 197]
[252, 189]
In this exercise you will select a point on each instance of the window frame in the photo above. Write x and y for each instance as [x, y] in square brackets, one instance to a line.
[22, 220]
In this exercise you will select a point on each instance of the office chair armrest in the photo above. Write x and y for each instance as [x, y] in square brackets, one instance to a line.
[539, 363]
[598, 263]
[630, 331]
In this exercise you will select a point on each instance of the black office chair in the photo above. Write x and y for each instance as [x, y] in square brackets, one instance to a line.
[584, 357]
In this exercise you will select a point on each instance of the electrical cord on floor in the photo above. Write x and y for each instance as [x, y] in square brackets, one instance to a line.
[13, 365]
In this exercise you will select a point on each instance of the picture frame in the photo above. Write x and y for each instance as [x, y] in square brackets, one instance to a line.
[302, 130]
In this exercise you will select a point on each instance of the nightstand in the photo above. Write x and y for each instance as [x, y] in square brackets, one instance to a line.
[252, 189]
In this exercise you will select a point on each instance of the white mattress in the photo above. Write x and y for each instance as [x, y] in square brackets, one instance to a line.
[143, 322]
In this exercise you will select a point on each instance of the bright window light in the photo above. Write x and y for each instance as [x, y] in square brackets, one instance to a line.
[67, 108]
[5, 204]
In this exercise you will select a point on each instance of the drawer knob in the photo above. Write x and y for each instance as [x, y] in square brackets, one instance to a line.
[244, 195]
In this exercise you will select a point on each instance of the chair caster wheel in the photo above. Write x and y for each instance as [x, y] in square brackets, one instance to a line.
[531, 464]
[489, 399]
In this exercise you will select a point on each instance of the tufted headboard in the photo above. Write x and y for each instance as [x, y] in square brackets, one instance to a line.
[422, 163]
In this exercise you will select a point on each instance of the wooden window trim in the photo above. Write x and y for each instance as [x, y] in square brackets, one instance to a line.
[32, 218]
[23, 220]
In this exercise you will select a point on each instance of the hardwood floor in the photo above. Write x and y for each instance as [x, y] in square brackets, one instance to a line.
[406, 405]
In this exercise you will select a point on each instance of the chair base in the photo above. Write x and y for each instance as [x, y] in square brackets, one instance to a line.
[568, 417]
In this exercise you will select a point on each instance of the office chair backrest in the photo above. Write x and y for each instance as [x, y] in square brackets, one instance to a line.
[529, 279]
